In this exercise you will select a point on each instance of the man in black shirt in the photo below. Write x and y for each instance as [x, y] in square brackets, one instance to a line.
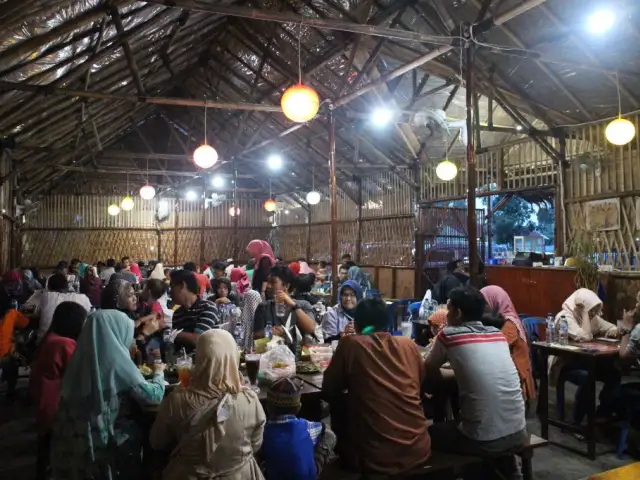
[195, 316]
[301, 312]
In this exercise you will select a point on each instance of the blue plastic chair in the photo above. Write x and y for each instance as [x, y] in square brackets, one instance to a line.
[531, 325]
[391, 311]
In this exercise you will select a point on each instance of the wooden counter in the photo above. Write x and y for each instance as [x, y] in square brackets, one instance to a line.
[537, 291]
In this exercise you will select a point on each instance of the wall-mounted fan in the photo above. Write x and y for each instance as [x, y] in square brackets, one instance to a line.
[589, 162]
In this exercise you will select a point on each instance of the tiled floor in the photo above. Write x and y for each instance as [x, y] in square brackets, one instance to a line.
[18, 447]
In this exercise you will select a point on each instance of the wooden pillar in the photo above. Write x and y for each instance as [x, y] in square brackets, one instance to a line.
[489, 218]
[358, 252]
[308, 250]
[559, 206]
[159, 244]
[203, 224]
[334, 207]
[175, 233]
[471, 159]
[236, 218]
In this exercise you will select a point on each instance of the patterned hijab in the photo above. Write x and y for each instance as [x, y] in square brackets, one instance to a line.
[259, 248]
[240, 277]
[499, 301]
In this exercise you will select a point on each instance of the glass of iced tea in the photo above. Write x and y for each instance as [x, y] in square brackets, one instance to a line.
[184, 366]
[252, 360]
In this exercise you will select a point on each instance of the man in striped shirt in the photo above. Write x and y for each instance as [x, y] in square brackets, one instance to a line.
[195, 316]
[492, 416]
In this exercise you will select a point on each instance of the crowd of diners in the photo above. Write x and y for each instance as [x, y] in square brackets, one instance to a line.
[392, 404]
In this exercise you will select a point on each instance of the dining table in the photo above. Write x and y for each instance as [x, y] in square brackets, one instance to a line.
[585, 353]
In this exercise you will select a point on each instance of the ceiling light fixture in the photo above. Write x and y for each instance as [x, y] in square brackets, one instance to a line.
[191, 195]
[113, 210]
[217, 181]
[274, 161]
[620, 131]
[313, 197]
[601, 21]
[381, 117]
[205, 156]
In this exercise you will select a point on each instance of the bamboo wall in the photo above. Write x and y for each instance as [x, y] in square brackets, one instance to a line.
[601, 171]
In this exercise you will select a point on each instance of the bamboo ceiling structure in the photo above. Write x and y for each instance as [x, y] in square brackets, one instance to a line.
[95, 91]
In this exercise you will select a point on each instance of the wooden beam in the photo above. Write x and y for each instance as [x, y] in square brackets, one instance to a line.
[126, 48]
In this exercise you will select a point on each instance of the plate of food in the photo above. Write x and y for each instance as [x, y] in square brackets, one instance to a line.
[307, 367]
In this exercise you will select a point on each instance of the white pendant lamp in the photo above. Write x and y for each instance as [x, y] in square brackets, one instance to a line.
[620, 131]
[313, 197]
[147, 192]
[205, 156]
[113, 210]
[127, 203]
[446, 170]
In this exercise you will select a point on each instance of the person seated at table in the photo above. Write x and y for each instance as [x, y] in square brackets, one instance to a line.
[582, 311]
[356, 274]
[96, 432]
[10, 320]
[338, 321]
[213, 428]
[195, 315]
[222, 293]
[380, 424]
[343, 271]
[48, 367]
[301, 288]
[203, 280]
[627, 396]
[91, 285]
[492, 413]
[57, 291]
[454, 277]
[503, 315]
[298, 316]
[293, 447]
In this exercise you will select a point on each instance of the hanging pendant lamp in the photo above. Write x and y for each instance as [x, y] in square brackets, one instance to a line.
[313, 197]
[446, 169]
[205, 156]
[127, 202]
[147, 192]
[300, 103]
[270, 205]
[113, 210]
[620, 131]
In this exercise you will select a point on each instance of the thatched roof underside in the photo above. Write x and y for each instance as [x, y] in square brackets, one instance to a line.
[63, 143]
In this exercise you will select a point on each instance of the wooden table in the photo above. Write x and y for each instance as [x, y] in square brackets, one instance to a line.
[589, 354]
[628, 472]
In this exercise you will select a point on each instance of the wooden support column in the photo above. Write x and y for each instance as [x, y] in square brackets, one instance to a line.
[159, 244]
[358, 252]
[203, 224]
[489, 228]
[334, 207]
[471, 159]
[175, 233]
[559, 203]
[236, 218]
[308, 251]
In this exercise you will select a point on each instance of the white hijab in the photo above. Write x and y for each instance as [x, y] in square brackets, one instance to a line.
[158, 272]
[578, 306]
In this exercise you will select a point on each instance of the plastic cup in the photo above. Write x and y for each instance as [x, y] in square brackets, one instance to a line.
[184, 366]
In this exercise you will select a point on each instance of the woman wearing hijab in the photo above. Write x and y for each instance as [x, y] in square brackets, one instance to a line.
[29, 285]
[249, 301]
[338, 320]
[214, 426]
[157, 272]
[582, 312]
[91, 285]
[264, 260]
[135, 269]
[94, 432]
[47, 369]
[357, 275]
[508, 321]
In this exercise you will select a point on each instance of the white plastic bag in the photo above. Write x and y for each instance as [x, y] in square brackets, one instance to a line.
[279, 362]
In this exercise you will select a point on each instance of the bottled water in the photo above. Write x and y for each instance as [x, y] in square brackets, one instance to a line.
[237, 333]
[563, 331]
[267, 330]
[551, 328]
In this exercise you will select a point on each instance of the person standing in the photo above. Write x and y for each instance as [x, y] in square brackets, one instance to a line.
[202, 279]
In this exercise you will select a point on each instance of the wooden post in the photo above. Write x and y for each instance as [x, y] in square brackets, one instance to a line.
[236, 218]
[203, 224]
[308, 251]
[472, 229]
[175, 234]
[159, 242]
[334, 207]
[358, 252]
[489, 218]
[559, 229]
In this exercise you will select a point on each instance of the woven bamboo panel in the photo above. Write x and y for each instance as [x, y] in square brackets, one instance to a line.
[387, 241]
[167, 242]
[386, 194]
[347, 208]
[188, 246]
[290, 243]
[616, 247]
[321, 240]
[47, 248]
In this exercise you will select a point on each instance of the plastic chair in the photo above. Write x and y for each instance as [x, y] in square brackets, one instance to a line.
[531, 325]
[414, 310]
[391, 311]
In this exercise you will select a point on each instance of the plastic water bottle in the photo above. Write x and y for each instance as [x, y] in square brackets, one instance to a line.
[267, 330]
[237, 333]
[551, 328]
[14, 304]
[563, 331]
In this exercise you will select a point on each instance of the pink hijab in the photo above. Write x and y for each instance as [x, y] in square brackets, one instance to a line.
[241, 279]
[259, 249]
[499, 300]
[135, 269]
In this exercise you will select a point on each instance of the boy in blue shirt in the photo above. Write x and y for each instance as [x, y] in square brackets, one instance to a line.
[293, 448]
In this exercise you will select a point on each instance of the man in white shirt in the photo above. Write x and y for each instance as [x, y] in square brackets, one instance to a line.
[492, 412]
[56, 293]
[105, 275]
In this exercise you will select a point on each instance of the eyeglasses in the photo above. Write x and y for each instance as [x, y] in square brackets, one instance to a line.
[349, 295]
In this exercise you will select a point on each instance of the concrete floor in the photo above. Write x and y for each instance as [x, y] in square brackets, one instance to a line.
[18, 447]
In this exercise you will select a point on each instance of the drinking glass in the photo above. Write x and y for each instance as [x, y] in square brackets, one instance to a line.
[252, 360]
[184, 366]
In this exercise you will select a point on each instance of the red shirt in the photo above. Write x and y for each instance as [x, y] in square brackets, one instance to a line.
[204, 283]
[47, 370]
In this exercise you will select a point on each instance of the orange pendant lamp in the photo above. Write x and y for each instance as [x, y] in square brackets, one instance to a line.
[300, 103]
[270, 205]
